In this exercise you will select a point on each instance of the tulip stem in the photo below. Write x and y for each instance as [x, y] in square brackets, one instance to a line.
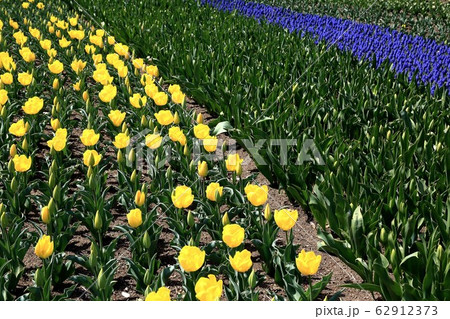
[310, 288]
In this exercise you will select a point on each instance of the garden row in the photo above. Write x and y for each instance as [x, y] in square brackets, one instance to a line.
[429, 18]
[377, 175]
[97, 159]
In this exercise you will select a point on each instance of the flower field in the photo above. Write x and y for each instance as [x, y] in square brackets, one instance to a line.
[224, 150]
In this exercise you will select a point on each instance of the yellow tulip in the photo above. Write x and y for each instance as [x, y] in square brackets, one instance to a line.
[210, 143]
[242, 261]
[33, 105]
[257, 195]
[135, 218]
[18, 129]
[27, 55]
[208, 289]
[3, 97]
[55, 124]
[212, 190]
[308, 262]
[64, 43]
[160, 98]
[25, 78]
[116, 117]
[152, 70]
[22, 163]
[45, 215]
[175, 133]
[122, 50]
[102, 76]
[191, 258]
[108, 93]
[233, 235]
[95, 157]
[45, 44]
[201, 131]
[138, 101]
[138, 63]
[121, 140]
[174, 88]
[164, 117]
[78, 66]
[151, 90]
[178, 97]
[111, 40]
[56, 67]
[139, 198]
[182, 197]
[89, 137]
[232, 162]
[202, 169]
[6, 78]
[163, 294]
[76, 34]
[59, 141]
[286, 218]
[153, 141]
[44, 247]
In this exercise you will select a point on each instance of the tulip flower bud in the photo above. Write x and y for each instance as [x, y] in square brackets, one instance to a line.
[14, 184]
[4, 112]
[124, 127]
[55, 84]
[132, 155]
[39, 277]
[439, 252]
[13, 150]
[383, 236]
[52, 206]
[2, 208]
[45, 215]
[148, 277]
[252, 279]
[199, 119]
[56, 193]
[93, 256]
[186, 151]
[176, 119]
[191, 242]
[391, 203]
[156, 160]
[133, 176]
[4, 220]
[267, 212]
[119, 156]
[85, 96]
[151, 125]
[25, 145]
[401, 207]
[98, 223]
[101, 280]
[190, 219]
[191, 166]
[391, 239]
[238, 168]
[393, 257]
[202, 168]
[11, 167]
[169, 174]
[146, 242]
[225, 219]
[144, 121]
